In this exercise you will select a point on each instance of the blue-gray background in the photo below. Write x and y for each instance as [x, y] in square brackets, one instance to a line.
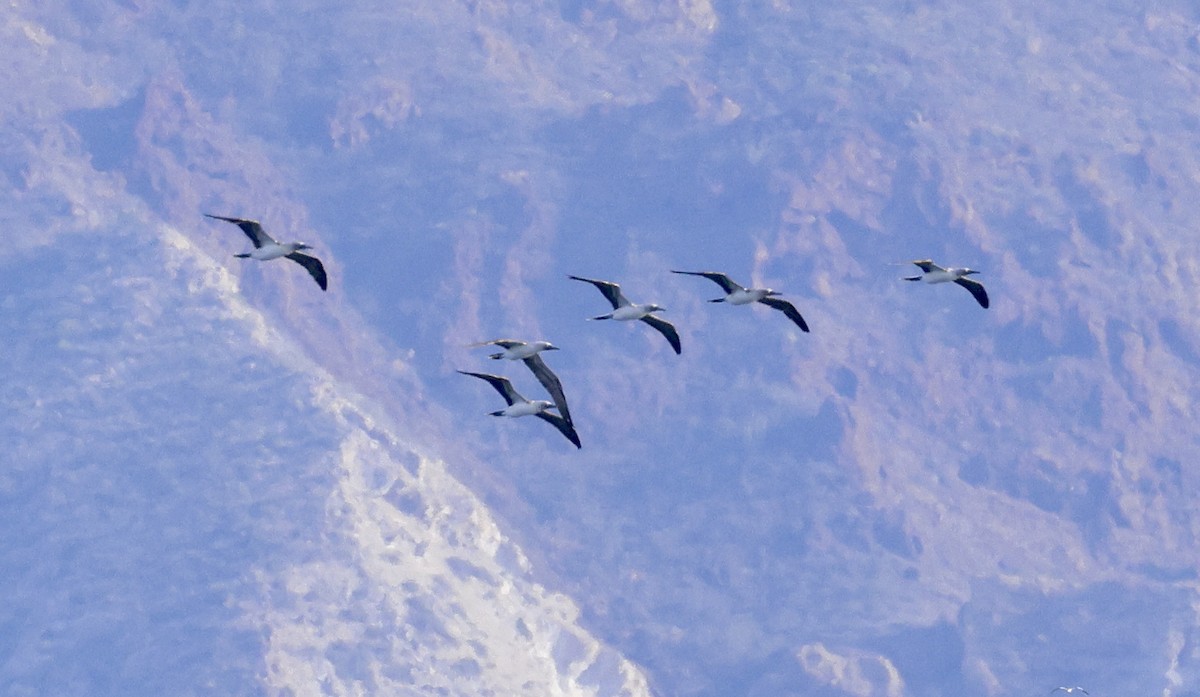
[218, 480]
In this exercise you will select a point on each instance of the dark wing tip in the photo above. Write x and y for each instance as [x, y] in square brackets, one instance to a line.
[611, 291]
[229, 219]
[976, 289]
[315, 268]
[501, 384]
[788, 309]
[564, 427]
[252, 228]
[666, 329]
[727, 284]
[482, 376]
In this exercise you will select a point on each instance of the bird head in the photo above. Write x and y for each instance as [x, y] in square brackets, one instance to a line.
[652, 307]
[301, 245]
[545, 346]
[770, 292]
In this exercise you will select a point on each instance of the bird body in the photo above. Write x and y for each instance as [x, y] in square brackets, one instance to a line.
[932, 273]
[631, 311]
[736, 294]
[267, 248]
[518, 406]
[745, 296]
[625, 311]
[516, 350]
[273, 250]
[530, 407]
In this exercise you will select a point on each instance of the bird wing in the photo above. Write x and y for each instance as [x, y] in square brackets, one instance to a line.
[314, 266]
[720, 279]
[502, 343]
[976, 289]
[251, 227]
[563, 426]
[551, 382]
[788, 309]
[666, 329]
[927, 265]
[612, 291]
[502, 385]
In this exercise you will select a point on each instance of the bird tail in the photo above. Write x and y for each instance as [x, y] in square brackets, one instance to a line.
[242, 256]
[496, 413]
[912, 278]
[608, 316]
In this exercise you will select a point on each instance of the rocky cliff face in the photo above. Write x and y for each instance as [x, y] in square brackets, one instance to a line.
[222, 477]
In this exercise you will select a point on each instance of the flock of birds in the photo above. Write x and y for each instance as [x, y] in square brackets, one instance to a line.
[267, 248]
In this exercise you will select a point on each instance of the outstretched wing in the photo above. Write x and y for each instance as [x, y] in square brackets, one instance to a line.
[315, 268]
[562, 425]
[666, 329]
[251, 227]
[502, 385]
[788, 309]
[612, 291]
[502, 343]
[927, 265]
[551, 382]
[720, 279]
[976, 289]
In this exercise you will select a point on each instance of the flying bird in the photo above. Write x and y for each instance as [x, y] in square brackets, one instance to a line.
[519, 406]
[267, 248]
[936, 274]
[529, 353]
[1068, 690]
[737, 295]
[624, 311]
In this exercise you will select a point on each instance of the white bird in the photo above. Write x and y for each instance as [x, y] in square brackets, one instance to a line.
[267, 248]
[624, 311]
[1068, 690]
[737, 295]
[519, 406]
[936, 274]
[528, 352]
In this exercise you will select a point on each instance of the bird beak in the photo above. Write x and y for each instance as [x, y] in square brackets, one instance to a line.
[551, 348]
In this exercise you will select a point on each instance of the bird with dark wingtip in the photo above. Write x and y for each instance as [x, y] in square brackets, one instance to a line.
[519, 406]
[932, 273]
[267, 248]
[624, 311]
[529, 353]
[737, 295]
